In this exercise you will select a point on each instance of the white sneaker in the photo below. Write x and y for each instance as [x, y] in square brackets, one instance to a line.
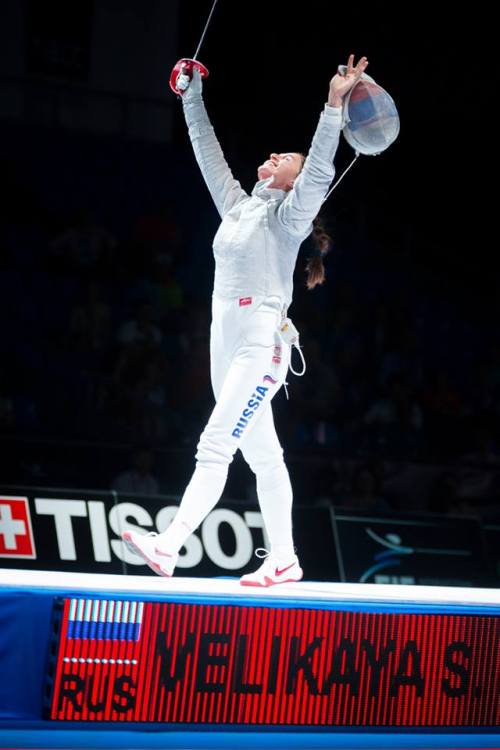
[145, 545]
[273, 570]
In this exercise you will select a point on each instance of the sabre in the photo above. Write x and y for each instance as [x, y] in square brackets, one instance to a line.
[184, 66]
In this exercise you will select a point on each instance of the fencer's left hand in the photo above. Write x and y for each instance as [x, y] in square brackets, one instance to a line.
[342, 83]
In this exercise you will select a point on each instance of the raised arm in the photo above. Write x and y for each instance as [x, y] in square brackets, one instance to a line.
[224, 189]
[304, 200]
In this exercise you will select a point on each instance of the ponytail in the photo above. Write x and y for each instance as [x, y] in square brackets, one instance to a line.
[322, 244]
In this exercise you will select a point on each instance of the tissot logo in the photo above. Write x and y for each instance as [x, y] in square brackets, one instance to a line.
[87, 532]
[16, 535]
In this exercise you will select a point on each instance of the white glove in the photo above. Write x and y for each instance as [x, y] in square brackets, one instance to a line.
[192, 87]
[182, 81]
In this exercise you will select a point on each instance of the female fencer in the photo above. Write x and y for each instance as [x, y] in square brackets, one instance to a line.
[255, 248]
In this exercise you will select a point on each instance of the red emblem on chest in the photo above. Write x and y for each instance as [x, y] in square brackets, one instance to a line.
[245, 301]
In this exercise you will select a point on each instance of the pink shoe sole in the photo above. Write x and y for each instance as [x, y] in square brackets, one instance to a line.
[126, 536]
[269, 582]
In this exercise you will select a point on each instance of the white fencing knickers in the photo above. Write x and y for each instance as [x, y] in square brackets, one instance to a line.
[249, 363]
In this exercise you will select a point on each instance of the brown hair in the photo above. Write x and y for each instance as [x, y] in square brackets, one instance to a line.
[322, 244]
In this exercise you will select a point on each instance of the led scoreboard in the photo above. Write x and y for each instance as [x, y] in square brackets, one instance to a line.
[127, 660]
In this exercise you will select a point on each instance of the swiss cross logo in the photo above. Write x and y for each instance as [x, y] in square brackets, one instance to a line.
[16, 534]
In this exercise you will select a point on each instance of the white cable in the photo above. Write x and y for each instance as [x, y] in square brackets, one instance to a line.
[341, 177]
[299, 349]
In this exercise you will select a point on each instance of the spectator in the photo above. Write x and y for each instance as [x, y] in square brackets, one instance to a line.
[317, 399]
[442, 406]
[394, 421]
[84, 247]
[149, 398]
[158, 236]
[90, 321]
[141, 331]
[366, 493]
[138, 479]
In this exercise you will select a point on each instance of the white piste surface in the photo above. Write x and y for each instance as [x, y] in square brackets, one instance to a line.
[208, 588]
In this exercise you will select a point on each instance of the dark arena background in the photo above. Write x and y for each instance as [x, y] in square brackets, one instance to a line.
[391, 439]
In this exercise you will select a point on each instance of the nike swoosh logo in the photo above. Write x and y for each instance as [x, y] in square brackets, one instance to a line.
[278, 572]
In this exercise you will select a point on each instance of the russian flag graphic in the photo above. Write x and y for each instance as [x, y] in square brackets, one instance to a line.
[269, 379]
[103, 619]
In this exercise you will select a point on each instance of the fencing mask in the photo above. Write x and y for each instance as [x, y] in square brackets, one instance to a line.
[370, 118]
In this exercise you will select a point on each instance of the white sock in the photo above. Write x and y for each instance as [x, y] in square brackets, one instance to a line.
[274, 491]
[200, 496]
[283, 552]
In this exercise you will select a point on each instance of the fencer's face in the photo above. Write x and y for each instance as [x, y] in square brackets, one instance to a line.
[283, 168]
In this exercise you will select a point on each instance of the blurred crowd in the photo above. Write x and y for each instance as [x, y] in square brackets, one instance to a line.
[105, 339]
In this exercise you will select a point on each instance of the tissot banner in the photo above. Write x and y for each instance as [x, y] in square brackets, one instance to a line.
[80, 531]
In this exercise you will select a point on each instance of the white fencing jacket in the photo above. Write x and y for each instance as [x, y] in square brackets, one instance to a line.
[257, 243]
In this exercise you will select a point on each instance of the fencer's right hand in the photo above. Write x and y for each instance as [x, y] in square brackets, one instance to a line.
[192, 87]
[347, 77]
